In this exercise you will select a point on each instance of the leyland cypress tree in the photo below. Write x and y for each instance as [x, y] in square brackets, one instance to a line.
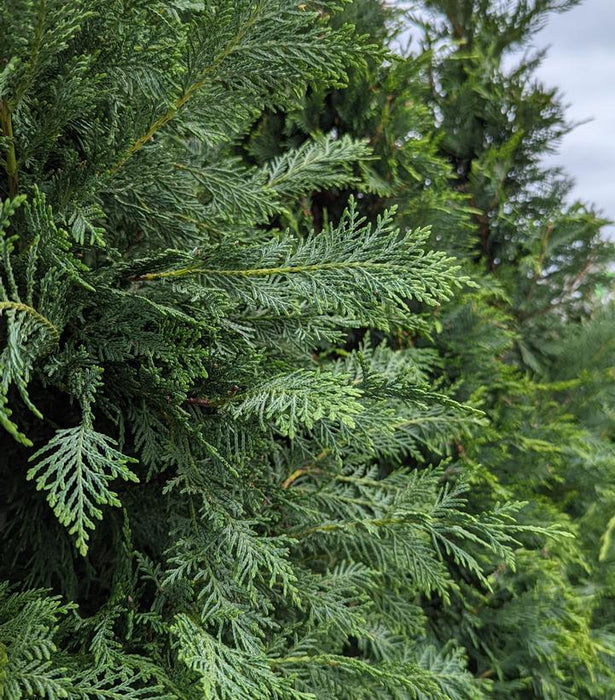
[460, 127]
[552, 265]
[221, 476]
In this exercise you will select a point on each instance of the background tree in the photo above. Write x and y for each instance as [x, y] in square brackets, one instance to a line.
[551, 262]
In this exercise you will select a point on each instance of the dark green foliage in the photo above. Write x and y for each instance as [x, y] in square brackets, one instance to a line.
[176, 390]
[288, 403]
[460, 132]
[549, 261]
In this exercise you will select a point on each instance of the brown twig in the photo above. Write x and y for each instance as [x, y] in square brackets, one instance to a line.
[308, 469]
[198, 402]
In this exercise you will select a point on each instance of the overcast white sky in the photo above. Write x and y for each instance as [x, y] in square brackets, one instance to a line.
[581, 62]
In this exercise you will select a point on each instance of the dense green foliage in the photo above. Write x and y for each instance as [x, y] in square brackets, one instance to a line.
[307, 364]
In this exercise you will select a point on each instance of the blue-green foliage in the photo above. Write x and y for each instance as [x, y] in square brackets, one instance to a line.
[530, 346]
[250, 447]
[206, 491]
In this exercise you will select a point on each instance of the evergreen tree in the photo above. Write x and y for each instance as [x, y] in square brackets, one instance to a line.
[460, 130]
[550, 262]
[220, 479]
[306, 362]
